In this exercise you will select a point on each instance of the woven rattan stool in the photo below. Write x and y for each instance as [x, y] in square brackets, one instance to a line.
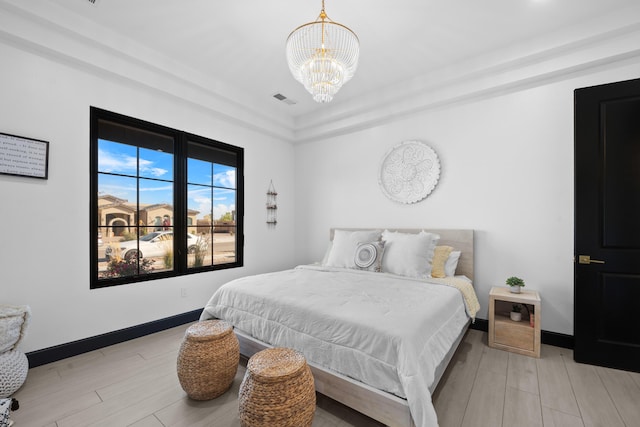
[277, 390]
[208, 359]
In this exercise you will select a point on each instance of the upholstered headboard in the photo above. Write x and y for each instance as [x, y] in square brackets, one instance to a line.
[459, 239]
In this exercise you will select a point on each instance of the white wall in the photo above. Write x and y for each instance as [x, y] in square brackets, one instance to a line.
[507, 173]
[44, 224]
[506, 155]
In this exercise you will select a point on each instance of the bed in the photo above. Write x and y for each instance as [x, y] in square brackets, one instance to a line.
[377, 333]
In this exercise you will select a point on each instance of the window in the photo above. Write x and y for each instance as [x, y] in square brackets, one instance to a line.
[163, 202]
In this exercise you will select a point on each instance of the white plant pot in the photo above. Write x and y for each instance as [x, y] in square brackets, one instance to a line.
[515, 289]
[515, 316]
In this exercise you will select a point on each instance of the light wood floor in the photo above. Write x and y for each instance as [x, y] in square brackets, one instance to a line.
[135, 384]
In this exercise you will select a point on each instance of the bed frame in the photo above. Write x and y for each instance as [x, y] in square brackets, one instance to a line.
[384, 407]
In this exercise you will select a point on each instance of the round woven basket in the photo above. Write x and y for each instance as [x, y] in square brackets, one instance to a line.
[208, 359]
[277, 390]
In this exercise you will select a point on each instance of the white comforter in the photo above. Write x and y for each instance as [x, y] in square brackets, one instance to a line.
[387, 331]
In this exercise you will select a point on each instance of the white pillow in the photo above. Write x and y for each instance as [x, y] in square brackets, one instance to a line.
[408, 254]
[325, 258]
[452, 263]
[344, 246]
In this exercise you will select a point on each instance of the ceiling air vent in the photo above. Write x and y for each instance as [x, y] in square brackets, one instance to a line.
[281, 97]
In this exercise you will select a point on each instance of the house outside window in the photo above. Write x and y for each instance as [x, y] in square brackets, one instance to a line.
[163, 202]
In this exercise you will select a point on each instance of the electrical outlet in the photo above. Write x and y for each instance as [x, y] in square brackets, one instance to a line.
[183, 292]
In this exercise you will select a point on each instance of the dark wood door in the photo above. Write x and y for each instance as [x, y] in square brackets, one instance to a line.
[607, 225]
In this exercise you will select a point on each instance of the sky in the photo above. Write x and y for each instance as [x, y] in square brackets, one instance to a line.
[121, 173]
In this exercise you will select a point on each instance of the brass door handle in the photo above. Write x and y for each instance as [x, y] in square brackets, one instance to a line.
[586, 259]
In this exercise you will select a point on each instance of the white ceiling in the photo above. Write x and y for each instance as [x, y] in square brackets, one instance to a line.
[239, 44]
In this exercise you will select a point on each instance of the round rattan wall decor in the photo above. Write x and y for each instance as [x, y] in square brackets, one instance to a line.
[409, 172]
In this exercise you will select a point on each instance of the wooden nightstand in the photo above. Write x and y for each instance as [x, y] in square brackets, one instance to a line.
[504, 333]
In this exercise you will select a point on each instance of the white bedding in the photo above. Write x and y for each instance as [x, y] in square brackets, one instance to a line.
[387, 331]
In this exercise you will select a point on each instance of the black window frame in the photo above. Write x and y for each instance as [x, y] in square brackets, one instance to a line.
[182, 140]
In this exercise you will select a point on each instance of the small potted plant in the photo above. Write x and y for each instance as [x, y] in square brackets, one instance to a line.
[516, 312]
[515, 283]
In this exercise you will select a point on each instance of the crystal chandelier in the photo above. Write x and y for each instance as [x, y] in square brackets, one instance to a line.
[323, 55]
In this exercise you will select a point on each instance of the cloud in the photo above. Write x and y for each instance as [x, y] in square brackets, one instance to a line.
[221, 209]
[146, 168]
[114, 162]
[225, 179]
[200, 201]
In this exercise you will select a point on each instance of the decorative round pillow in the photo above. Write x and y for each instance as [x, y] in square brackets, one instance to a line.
[368, 256]
[365, 255]
[14, 366]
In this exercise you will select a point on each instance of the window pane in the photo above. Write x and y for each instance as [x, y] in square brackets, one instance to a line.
[156, 164]
[224, 176]
[224, 212]
[199, 172]
[156, 249]
[224, 205]
[156, 205]
[199, 247]
[224, 244]
[117, 158]
[117, 204]
[114, 190]
[199, 202]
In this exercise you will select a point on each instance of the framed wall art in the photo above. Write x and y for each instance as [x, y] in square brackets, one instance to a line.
[24, 156]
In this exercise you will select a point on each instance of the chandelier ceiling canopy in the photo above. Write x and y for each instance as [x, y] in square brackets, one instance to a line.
[323, 55]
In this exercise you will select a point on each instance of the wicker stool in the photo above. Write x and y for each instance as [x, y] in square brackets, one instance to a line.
[208, 359]
[277, 390]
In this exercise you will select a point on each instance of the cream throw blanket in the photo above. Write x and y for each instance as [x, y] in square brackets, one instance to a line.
[466, 289]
